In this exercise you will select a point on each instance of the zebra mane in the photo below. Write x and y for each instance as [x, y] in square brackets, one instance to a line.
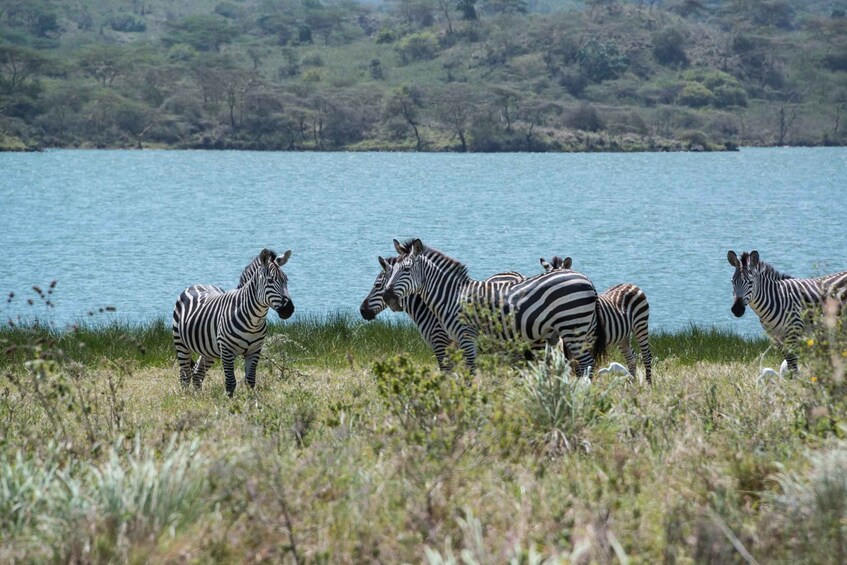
[768, 270]
[252, 267]
[765, 269]
[444, 261]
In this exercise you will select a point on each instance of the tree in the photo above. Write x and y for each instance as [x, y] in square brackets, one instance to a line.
[405, 102]
[454, 106]
[105, 63]
[506, 100]
[18, 66]
[468, 10]
[236, 83]
[416, 13]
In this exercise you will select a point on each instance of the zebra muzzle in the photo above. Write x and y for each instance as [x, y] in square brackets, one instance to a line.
[286, 310]
[738, 307]
[367, 313]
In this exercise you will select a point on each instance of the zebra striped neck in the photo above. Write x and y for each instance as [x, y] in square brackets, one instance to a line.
[256, 308]
[767, 301]
[445, 278]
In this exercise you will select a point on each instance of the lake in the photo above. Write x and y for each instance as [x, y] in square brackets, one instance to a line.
[132, 229]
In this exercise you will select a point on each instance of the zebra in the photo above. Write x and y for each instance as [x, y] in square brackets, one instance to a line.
[546, 307]
[624, 311]
[781, 302]
[432, 332]
[218, 324]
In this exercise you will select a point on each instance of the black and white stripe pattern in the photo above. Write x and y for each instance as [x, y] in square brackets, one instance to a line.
[543, 308]
[432, 332]
[782, 303]
[624, 312]
[218, 324]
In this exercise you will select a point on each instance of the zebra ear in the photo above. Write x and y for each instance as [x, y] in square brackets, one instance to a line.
[384, 264]
[732, 258]
[264, 257]
[280, 261]
[545, 265]
[401, 250]
[417, 246]
[754, 259]
[567, 263]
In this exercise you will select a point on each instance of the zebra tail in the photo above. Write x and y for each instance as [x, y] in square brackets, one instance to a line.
[599, 350]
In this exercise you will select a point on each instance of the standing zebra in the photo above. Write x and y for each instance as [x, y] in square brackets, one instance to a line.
[623, 311]
[432, 331]
[546, 307]
[782, 303]
[218, 324]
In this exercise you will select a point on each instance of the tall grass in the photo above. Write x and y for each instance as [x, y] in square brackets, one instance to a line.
[370, 456]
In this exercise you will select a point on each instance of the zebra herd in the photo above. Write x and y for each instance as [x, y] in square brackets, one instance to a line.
[558, 307]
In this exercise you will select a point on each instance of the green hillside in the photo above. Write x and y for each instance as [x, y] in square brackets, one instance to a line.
[427, 75]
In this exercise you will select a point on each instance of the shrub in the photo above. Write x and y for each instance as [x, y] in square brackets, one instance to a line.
[127, 23]
[669, 47]
[585, 118]
[429, 408]
[600, 60]
[561, 406]
[421, 46]
[695, 139]
[230, 10]
[810, 512]
[696, 95]
[385, 35]
[312, 60]
[181, 52]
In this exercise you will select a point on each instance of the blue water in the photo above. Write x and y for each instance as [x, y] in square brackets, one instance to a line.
[133, 228]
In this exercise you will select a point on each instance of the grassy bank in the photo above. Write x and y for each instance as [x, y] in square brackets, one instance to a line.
[347, 453]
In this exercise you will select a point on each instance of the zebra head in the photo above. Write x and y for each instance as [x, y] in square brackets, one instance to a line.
[374, 302]
[406, 274]
[272, 288]
[556, 263]
[746, 268]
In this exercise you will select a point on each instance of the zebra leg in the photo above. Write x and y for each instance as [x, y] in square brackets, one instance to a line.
[468, 346]
[200, 368]
[228, 361]
[184, 359]
[646, 358]
[250, 363]
[791, 359]
[626, 348]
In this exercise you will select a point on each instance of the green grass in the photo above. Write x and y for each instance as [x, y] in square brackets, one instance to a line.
[334, 341]
[345, 452]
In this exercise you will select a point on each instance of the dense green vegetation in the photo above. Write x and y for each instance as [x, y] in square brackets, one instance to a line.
[463, 75]
[349, 452]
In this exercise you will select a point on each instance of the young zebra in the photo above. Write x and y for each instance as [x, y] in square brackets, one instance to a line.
[624, 312]
[427, 323]
[543, 308]
[218, 324]
[782, 303]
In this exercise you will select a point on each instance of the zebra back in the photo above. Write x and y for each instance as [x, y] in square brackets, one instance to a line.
[541, 308]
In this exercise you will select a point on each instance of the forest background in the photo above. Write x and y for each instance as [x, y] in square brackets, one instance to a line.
[423, 75]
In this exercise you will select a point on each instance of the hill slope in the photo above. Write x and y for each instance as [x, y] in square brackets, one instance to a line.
[474, 75]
